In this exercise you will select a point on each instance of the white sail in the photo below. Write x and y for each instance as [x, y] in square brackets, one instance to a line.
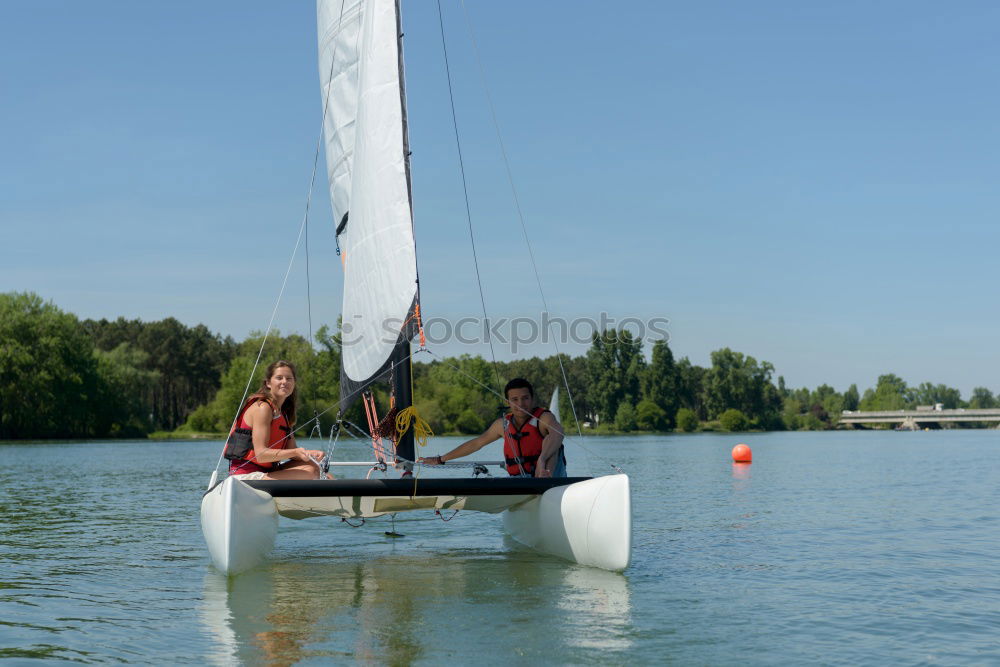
[366, 154]
[339, 26]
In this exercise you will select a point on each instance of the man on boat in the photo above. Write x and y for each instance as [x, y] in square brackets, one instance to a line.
[532, 438]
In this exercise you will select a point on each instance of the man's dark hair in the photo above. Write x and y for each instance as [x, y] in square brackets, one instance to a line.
[518, 383]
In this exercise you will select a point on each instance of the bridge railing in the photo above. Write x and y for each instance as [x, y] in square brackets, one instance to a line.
[957, 414]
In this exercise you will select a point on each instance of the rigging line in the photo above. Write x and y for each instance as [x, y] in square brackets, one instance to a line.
[267, 333]
[361, 435]
[517, 206]
[386, 451]
[379, 448]
[364, 436]
[350, 397]
[331, 444]
[410, 356]
[309, 311]
[295, 250]
[465, 189]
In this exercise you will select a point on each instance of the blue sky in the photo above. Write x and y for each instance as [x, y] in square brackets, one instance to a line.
[813, 184]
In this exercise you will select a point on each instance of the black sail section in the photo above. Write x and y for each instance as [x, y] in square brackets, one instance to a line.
[351, 390]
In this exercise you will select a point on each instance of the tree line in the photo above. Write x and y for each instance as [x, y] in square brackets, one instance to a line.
[61, 377]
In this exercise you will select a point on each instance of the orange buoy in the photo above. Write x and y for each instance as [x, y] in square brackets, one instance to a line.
[742, 454]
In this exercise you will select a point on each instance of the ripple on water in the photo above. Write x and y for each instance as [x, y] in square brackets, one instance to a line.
[881, 552]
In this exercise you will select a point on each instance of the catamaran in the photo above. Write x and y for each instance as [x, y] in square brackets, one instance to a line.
[584, 520]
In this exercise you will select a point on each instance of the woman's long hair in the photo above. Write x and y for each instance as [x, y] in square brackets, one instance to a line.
[288, 407]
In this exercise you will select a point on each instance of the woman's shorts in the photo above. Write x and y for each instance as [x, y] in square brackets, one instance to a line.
[246, 477]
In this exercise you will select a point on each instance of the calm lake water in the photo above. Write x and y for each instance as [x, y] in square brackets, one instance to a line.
[833, 548]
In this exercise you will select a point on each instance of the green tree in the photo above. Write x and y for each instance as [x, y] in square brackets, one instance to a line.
[734, 420]
[686, 420]
[982, 398]
[851, 398]
[805, 410]
[690, 387]
[650, 417]
[791, 413]
[931, 394]
[822, 394]
[803, 396]
[217, 415]
[462, 389]
[325, 367]
[615, 365]
[187, 363]
[826, 405]
[49, 381]
[834, 406]
[890, 393]
[468, 422]
[660, 382]
[582, 405]
[625, 417]
[739, 382]
[123, 410]
[811, 422]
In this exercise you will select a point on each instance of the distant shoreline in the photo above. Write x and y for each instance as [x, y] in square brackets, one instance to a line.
[203, 437]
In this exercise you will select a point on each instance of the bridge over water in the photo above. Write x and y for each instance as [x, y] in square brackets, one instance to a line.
[914, 418]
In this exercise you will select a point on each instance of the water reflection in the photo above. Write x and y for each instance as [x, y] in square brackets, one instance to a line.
[402, 609]
[600, 599]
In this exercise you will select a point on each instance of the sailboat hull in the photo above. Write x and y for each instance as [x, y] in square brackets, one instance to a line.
[589, 522]
[586, 521]
[239, 524]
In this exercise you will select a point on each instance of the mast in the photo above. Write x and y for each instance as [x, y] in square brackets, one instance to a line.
[402, 377]
[401, 388]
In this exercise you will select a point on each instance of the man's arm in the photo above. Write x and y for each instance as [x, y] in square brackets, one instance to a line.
[552, 435]
[493, 433]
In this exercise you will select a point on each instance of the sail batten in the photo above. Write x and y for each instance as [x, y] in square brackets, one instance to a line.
[367, 165]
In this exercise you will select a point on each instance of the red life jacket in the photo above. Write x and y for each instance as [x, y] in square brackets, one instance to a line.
[278, 438]
[522, 446]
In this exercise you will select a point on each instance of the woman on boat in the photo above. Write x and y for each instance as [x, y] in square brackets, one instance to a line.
[268, 417]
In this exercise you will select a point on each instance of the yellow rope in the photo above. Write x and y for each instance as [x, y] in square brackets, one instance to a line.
[421, 429]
